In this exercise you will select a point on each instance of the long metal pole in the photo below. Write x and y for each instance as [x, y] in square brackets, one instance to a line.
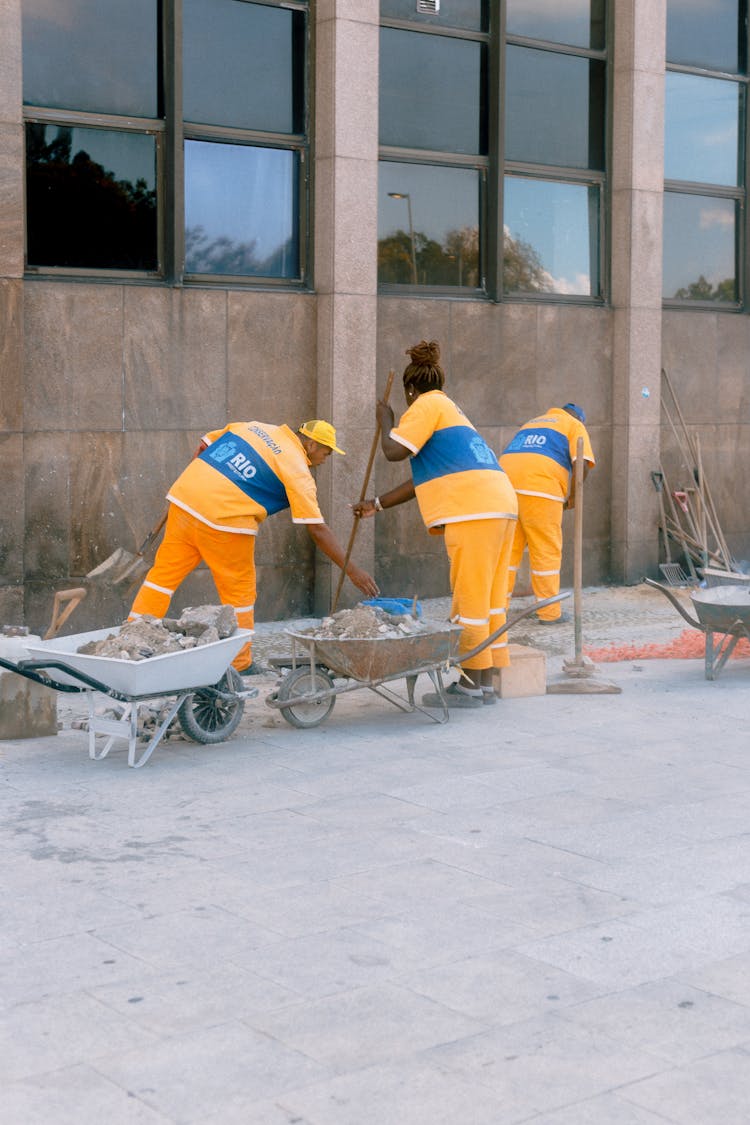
[578, 552]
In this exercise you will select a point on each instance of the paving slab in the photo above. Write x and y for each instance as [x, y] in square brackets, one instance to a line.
[536, 912]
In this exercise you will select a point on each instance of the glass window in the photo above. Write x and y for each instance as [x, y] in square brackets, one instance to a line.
[554, 111]
[114, 51]
[550, 237]
[707, 33]
[90, 198]
[431, 92]
[701, 129]
[700, 237]
[428, 225]
[242, 65]
[473, 15]
[577, 23]
[241, 210]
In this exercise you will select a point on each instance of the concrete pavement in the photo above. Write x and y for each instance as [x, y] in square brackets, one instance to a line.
[537, 912]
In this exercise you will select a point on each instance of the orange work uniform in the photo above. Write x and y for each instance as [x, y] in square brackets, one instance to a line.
[247, 472]
[539, 461]
[464, 494]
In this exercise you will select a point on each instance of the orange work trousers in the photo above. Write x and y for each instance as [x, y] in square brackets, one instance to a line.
[479, 553]
[230, 558]
[540, 526]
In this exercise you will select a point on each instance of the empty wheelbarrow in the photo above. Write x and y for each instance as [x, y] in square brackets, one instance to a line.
[722, 614]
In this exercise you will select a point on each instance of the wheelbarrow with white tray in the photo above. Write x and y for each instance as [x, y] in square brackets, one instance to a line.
[207, 694]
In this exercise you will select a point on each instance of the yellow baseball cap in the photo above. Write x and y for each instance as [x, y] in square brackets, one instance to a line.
[323, 433]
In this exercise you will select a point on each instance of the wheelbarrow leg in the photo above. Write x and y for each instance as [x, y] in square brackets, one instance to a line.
[718, 654]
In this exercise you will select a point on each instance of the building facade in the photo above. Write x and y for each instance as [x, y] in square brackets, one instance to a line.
[222, 209]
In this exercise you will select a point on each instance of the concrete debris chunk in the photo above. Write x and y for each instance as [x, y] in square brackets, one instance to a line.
[194, 620]
[365, 621]
[149, 636]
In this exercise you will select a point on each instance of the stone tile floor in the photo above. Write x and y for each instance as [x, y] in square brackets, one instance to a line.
[537, 912]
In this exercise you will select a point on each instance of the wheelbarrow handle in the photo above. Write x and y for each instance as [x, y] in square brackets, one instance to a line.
[677, 604]
[454, 660]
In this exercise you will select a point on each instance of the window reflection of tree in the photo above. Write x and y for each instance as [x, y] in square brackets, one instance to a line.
[224, 255]
[80, 214]
[703, 290]
[455, 261]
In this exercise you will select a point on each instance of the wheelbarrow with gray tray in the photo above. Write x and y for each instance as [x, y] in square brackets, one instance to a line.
[206, 695]
[722, 615]
[320, 668]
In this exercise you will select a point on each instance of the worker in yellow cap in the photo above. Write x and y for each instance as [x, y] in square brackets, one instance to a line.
[239, 476]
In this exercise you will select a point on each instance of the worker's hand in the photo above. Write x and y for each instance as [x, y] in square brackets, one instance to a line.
[364, 508]
[384, 415]
[363, 581]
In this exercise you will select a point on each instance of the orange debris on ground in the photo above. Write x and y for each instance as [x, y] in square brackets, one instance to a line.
[689, 645]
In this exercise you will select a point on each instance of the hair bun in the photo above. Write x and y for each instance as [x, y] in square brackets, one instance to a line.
[425, 353]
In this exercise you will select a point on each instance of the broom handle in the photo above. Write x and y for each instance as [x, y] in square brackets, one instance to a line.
[363, 495]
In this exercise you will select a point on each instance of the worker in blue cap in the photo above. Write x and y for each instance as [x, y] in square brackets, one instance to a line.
[539, 463]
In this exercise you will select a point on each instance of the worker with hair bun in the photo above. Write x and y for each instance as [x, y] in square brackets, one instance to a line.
[464, 495]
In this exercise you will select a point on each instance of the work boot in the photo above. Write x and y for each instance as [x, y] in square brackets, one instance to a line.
[563, 619]
[455, 696]
[489, 696]
[253, 669]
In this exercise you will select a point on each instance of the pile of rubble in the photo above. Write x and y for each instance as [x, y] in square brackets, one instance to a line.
[367, 622]
[151, 636]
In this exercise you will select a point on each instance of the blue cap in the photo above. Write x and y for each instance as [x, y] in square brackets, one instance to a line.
[577, 411]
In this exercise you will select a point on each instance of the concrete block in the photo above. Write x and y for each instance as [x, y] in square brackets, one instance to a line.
[27, 709]
[527, 674]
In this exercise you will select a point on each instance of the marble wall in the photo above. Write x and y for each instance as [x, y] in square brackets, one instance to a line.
[119, 383]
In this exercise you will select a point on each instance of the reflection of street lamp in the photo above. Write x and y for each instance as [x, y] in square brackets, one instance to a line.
[405, 195]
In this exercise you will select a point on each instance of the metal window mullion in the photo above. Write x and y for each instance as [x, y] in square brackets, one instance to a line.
[425, 29]
[198, 132]
[494, 193]
[688, 187]
[79, 119]
[173, 175]
[590, 176]
[556, 48]
[430, 156]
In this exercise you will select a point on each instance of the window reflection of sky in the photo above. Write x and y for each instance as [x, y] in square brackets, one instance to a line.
[241, 193]
[703, 33]
[559, 21]
[701, 126]
[699, 240]
[238, 65]
[442, 199]
[430, 92]
[114, 48]
[555, 220]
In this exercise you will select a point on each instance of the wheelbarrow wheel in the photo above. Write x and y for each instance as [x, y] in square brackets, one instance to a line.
[208, 715]
[300, 711]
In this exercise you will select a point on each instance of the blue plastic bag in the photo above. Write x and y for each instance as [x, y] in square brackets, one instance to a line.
[402, 607]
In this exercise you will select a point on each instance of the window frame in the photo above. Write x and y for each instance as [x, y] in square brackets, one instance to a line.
[171, 131]
[493, 167]
[721, 191]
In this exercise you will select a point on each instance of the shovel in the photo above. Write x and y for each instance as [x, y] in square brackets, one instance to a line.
[123, 567]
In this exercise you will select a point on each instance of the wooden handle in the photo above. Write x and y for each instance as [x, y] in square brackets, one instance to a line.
[362, 496]
[72, 597]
